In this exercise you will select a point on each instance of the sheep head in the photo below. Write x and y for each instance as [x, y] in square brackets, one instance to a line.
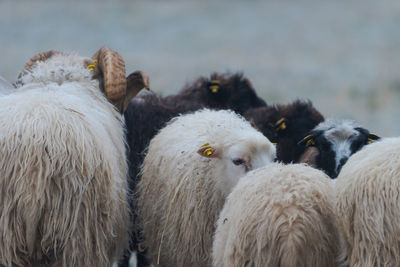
[331, 143]
[286, 125]
[237, 158]
[107, 66]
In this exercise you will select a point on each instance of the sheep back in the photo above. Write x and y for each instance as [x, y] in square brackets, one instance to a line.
[62, 177]
[181, 185]
[278, 215]
[368, 204]
[148, 113]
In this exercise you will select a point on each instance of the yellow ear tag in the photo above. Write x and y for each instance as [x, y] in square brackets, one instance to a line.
[91, 67]
[206, 144]
[208, 152]
[41, 61]
[214, 86]
[280, 121]
[280, 124]
[374, 138]
[310, 142]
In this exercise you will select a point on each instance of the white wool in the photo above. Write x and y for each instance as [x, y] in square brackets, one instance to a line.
[278, 215]
[59, 68]
[62, 170]
[188, 189]
[368, 193]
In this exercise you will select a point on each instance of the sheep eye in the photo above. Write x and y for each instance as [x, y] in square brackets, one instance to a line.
[238, 161]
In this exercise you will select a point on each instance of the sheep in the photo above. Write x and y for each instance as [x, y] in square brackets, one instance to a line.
[5, 87]
[332, 142]
[220, 91]
[367, 205]
[63, 165]
[286, 125]
[181, 192]
[148, 113]
[279, 215]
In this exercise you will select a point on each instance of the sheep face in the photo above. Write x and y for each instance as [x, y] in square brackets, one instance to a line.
[335, 142]
[235, 160]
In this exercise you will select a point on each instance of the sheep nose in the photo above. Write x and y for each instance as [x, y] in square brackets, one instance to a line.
[341, 163]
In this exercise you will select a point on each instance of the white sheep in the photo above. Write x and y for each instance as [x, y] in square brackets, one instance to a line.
[5, 87]
[182, 192]
[62, 165]
[368, 193]
[279, 215]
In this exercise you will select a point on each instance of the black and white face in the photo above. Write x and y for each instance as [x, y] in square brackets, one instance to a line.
[336, 142]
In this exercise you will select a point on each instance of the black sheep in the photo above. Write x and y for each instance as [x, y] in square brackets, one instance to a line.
[220, 91]
[286, 125]
[149, 113]
[331, 143]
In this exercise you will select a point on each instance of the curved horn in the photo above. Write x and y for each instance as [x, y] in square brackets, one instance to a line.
[38, 57]
[112, 67]
[136, 81]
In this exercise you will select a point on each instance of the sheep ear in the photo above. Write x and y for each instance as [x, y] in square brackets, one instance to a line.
[208, 151]
[307, 141]
[372, 137]
[214, 86]
[281, 124]
[136, 81]
[310, 156]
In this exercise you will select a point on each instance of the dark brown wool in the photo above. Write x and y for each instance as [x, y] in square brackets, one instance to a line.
[286, 125]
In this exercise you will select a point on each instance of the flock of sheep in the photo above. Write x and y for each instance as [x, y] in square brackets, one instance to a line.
[91, 175]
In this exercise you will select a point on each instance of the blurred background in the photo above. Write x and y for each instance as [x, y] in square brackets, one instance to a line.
[342, 55]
